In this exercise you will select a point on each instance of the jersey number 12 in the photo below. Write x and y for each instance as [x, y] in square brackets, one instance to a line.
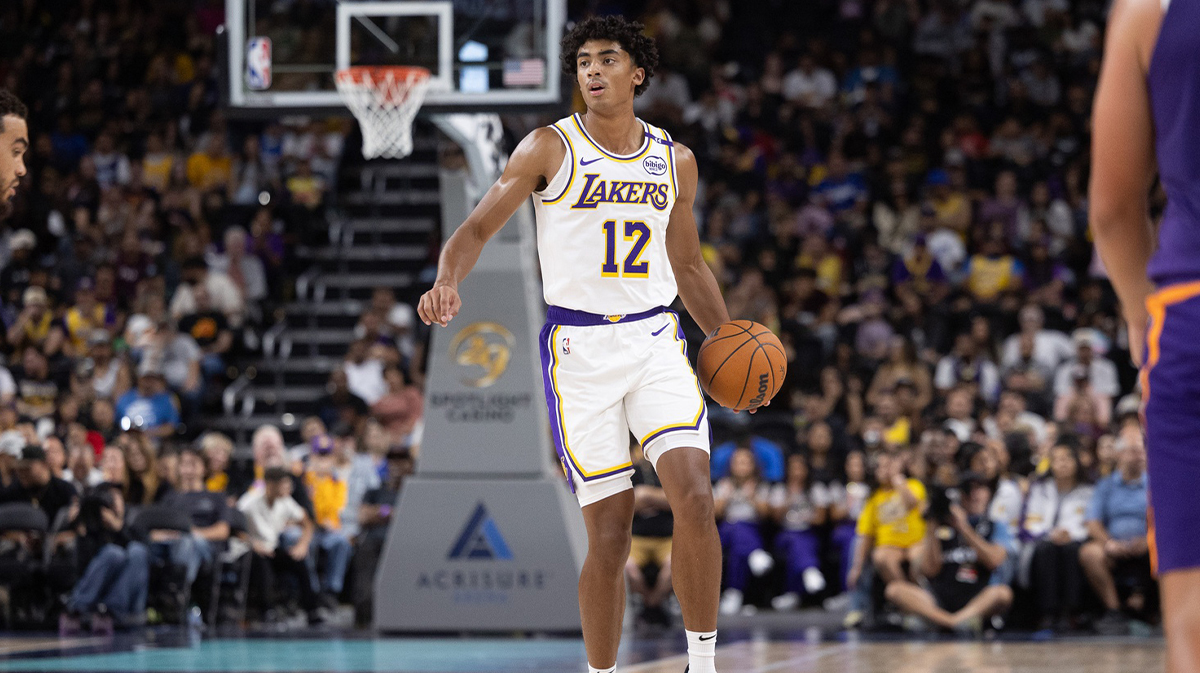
[633, 267]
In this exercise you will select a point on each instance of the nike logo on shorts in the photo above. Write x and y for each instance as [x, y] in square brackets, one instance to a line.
[660, 329]
[585, 162]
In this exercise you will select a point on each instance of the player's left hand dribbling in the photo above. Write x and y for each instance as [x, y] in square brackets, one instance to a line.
[439, 305]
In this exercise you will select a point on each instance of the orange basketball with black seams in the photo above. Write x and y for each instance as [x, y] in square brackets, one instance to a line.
[741, 365]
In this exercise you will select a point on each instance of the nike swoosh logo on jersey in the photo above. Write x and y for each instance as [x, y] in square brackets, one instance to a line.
[585, 162]
[660, 329]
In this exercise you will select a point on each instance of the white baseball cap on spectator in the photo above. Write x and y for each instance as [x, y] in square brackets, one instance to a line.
[12, 442]
[22, 239]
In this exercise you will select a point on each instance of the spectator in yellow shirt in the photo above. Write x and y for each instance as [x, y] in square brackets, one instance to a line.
[211, 168]
[892, 524]
[328, 494]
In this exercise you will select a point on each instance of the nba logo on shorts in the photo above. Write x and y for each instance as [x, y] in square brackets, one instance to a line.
[258, 63]
[567, 346]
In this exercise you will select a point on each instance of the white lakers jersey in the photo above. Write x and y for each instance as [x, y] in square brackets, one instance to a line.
[602, 224]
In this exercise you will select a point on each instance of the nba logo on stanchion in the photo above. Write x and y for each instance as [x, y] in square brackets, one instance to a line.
[258, 64]
[480, 539]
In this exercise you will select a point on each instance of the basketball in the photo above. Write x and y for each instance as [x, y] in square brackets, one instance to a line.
[741, 365]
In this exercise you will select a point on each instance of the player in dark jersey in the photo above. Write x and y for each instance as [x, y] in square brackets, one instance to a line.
[1147, 117]
[14, 141]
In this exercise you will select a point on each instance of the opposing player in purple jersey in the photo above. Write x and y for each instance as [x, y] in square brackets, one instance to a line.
[1147, 116]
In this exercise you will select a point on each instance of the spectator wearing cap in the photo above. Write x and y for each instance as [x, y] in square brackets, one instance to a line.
[310, 428]
[38, 388]
[86, 317]
[374, 516]
[225, 295]
[1117, 531]
[281, 533]
[15, 275]
[35, 485]
[36, 324]
[1089, 358]
[149, 406]
[1081, 405]
[329, 494]
[210, 329]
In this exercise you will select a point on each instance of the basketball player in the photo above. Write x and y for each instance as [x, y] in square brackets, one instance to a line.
[14, 140]
[1148, 111]
[613, 198]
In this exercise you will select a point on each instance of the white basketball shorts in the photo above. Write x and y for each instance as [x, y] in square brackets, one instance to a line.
[607, 376]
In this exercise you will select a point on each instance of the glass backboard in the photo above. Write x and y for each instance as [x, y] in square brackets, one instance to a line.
[484, 55]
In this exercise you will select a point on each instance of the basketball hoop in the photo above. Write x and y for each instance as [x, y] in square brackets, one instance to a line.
[385, 101]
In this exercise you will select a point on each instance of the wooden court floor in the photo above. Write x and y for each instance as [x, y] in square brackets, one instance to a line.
[423, 655]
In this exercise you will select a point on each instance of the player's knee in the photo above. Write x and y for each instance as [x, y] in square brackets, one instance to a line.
[610, 544]
[893, 591]
[694, 508]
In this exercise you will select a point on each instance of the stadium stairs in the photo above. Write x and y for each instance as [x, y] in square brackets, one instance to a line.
[383, 224]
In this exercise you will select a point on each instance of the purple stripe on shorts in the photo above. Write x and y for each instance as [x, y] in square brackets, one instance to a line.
[545, 349]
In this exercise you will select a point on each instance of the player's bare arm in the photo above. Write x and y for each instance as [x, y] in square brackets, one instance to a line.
[537, 156]
[697, 286]
[1123, 163]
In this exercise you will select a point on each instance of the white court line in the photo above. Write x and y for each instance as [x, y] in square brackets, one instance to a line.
[810, 658]
[785, 665]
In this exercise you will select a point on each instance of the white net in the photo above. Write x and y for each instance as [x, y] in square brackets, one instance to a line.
[385, 102]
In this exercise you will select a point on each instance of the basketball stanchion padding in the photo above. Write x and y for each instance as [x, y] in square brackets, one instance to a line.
[385, 101]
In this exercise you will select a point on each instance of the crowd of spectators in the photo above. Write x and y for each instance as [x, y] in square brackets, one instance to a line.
[146, 247]
[898, 189]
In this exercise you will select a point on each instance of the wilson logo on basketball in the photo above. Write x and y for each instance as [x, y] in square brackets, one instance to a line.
[764, 384]
[655, 165]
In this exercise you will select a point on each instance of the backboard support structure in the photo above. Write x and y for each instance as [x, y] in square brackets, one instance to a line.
[484, 55]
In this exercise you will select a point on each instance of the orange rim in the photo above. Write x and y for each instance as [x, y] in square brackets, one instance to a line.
[370, 74]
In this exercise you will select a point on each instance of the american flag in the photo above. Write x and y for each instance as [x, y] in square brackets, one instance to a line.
[524, 72]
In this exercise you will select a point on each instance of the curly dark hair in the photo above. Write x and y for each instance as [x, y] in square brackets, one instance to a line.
[11, 105]
[629, 34]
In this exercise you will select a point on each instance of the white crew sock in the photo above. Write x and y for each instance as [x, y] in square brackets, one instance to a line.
[702, 651]
[593, 669]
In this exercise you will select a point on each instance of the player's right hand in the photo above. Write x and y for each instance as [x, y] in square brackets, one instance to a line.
[439, 305]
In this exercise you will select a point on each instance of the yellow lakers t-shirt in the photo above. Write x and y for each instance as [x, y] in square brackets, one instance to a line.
[888, 523]
[328, 499]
